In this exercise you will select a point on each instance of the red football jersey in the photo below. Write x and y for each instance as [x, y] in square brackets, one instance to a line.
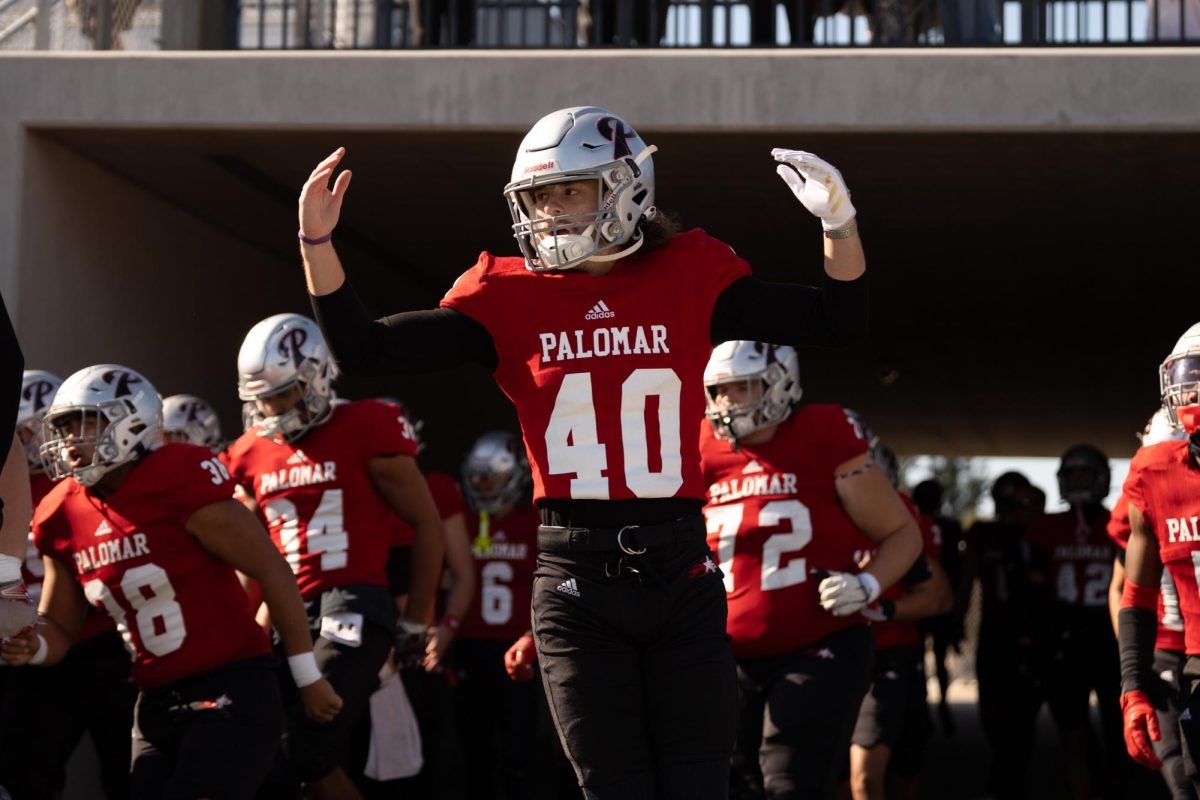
[1080, 556]
[179, 607]
[500, 609]
[892, 633]
[316, 493]
[606, 372]
[774, 516]
[446, 497]
[1170, 622]
[1165, 486]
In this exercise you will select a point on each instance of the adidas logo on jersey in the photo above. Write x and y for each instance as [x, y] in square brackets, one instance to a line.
[569, 587]
[751, 468]
[103, 529]
[600, 311]
[297, 457]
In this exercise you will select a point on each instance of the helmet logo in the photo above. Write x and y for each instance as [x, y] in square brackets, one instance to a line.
[191, 410]
[290, 344]
[614, 130]
[122, 379]
[38, 394]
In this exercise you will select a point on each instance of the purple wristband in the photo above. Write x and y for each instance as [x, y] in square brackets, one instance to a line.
[322, 240]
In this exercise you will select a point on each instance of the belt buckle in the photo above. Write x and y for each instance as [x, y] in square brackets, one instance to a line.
[629, 551]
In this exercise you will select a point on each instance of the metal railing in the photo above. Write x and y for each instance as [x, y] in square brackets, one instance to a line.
[712, 23]
[391, 24]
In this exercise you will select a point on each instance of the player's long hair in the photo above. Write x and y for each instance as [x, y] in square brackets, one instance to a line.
[659, 230]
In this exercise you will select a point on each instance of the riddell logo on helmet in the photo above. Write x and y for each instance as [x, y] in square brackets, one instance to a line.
[600, 311]
[539, 167]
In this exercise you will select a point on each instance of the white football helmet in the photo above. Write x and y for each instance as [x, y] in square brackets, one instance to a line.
[1159, 429]
[119, 415]
[496, 472]
[193, 418]
[37, 390]
[278, 353]
[582, 143]
[1179, 381]
[770, 375]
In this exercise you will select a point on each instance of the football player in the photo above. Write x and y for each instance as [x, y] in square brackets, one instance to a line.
[928, 497]
[892, 728]
[789, 491]
[1083, 655]
[1169, 655]
[151, 535]
[45, 712]
[503, 526]
[1012, 589]
[1163, 491]
[599, 332]
[327, 479]
[189, 419]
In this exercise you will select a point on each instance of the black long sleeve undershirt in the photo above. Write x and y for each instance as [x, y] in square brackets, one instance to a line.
[417, 342]
[427, 341]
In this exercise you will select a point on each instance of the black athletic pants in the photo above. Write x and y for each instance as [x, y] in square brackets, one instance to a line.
[46, 711]
[209, 735]
[638, 671]
[797, 713]
[1168, 665]
[1010, 695]
[497, 720]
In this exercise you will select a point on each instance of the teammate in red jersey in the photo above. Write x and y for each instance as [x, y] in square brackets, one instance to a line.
[503, 526]
[598, 334]
[1082, 655]
[327, 480]
[789, 490]
[45, 712]
[1169, 654]
[1163, 492]
[152, 536]
[892, 728]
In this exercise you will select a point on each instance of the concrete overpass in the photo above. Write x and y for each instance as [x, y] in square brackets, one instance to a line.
[1029, 215]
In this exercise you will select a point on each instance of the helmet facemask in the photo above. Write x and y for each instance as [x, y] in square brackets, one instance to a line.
[1084, 477]
[769, 398]
[562, 241]
[1179, 381]
[496, 473]
[112, 429]
[311, 407]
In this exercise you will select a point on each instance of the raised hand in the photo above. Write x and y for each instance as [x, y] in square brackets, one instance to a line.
[320, 206]
[818, 186]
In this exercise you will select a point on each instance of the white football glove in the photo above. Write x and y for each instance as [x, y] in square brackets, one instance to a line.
[845, 593]
[817, 185]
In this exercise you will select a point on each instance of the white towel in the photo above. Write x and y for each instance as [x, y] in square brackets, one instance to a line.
[395, 749]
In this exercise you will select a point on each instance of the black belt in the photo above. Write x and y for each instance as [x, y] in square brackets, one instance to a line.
[632, 539]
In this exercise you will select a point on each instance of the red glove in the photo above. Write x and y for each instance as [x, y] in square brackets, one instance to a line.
[518, 661]
[1141, 728]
